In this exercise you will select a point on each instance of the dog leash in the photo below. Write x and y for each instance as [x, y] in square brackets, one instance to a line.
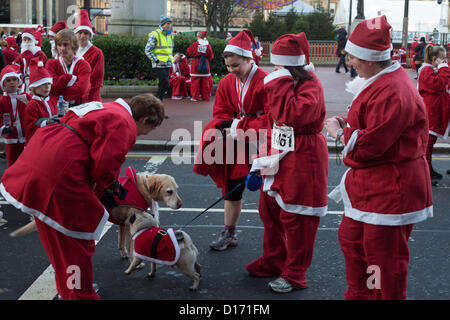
[217, 201]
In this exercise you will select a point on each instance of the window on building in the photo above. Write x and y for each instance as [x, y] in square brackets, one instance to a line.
[5, 11]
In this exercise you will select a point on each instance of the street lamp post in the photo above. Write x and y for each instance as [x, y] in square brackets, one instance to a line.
[405, 25]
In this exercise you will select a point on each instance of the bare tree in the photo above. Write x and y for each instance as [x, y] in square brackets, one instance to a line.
[226, 11]
[208, 8]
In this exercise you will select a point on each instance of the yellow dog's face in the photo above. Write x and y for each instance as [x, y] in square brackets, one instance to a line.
[163, 188]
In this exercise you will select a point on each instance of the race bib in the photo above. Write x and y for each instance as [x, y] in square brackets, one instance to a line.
[201, 49]
[83, 109]
[283, 138]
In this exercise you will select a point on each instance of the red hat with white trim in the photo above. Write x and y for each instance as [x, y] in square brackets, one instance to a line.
[83, 22]
[29, 33]
[371, 40]
[57, 27]
[204, 33]
[38, 74]
[241, 44]
[9, 71]
[290, 50]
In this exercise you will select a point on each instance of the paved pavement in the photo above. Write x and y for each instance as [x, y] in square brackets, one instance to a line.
[187, 119]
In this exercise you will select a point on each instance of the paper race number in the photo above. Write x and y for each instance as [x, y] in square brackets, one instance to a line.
[283, 138]
[201, 49]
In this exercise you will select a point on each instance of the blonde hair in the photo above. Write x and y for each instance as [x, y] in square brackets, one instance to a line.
[431, 52]
[3, 44]
[67, 34]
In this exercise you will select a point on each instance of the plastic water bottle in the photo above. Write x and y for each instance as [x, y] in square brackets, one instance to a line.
[61, 107]
[7, 119]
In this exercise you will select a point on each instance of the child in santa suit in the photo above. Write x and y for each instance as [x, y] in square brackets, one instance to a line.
[433, 87]
[81, 168]
[387, 187]
[395, 55]
[12, 108]
[29, 50]
[177, 76]
[90, 53]
[71, 74]
[40, 105]
[200, 82]
[294, 197]
[57, 27]
[238, 105]
[402, 54]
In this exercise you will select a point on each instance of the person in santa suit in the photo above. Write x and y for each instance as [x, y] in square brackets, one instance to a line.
[12, 108]
[238, 105]
[90, 53]
[387, 188]
[294, 197]
[179, 72]
[68, 174]
[57, 27]
[395, 55]
[433, 87]
[40, 106]
[29, 50]
[403, 56]
[10, 52]
[201, 52]
[257, 51]
[413, 51]
[71, 74]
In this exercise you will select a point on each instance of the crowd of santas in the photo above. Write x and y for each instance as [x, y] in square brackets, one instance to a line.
[32, 84]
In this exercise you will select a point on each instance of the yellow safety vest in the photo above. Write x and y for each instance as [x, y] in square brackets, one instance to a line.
[164, 46]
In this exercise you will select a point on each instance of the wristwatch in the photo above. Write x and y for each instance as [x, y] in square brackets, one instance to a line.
[339, 134]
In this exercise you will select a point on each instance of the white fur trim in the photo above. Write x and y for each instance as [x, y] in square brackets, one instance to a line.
[72, 81]
[124, 104]
[52, 223]
[28, 35]
[282, 60]
[84, 28]
[239, 51]
[298, 208]
[11, 74]
[277, 74]
[41, 82]
[367, 54]
[380, 218]
[442, 65]
[351, 143]
[233, 128]
[309, 67]
[51, 33]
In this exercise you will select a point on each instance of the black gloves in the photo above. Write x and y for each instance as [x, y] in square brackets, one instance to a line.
[7, 130]
[225, 124]
[113, 190]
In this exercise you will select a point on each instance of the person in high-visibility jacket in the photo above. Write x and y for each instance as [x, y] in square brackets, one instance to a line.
[159, 50]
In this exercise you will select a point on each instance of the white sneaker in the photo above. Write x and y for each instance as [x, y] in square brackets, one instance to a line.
[280, 285]
[177, 97]
[192, 99]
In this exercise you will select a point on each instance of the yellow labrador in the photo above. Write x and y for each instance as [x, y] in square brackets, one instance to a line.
[160, 246]
[153, 188]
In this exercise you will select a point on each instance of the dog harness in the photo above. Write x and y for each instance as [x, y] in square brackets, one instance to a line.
[157, 245]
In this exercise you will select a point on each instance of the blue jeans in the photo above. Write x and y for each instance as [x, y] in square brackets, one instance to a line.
[341, 62]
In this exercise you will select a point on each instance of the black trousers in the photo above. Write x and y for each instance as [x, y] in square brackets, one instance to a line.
[163, 81]
[341, 62]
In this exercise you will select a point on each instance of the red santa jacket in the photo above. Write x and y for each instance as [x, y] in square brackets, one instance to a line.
[157, 245]
[200, 48]
[73, 84]
[388, 182]
[16, 106]
[433, 87]
[38, 108]
[299, 185]
[94, 56]
[10, 55]
[23, 61]
[244, 103]
[180, 69]
[59, 177]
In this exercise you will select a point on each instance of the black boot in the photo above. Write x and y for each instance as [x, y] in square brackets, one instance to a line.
[434, 175]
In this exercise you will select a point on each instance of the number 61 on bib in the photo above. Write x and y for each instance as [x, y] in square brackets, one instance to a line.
[283, 138]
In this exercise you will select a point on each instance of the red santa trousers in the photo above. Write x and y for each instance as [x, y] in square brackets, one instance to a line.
[383, 247]
[178, 84]
[201, 86]
[68, 255]
[288, 243]
[13, 151]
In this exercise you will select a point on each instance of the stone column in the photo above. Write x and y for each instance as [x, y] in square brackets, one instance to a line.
[135, 17]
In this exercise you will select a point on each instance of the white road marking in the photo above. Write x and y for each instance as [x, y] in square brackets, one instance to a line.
[221, 210]
[44, 287]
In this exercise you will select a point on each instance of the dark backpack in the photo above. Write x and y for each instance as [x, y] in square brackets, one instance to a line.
[203, 65]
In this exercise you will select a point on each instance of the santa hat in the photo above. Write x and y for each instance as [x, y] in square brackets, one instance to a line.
[11, 70]
[371, 40]
[83, 22]
[12, 42]
[38, 74]
[204, 33]
[291, 50]
[416, 38]
[29, 33]
[241, 44]
[38, 37]
[57, 27]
